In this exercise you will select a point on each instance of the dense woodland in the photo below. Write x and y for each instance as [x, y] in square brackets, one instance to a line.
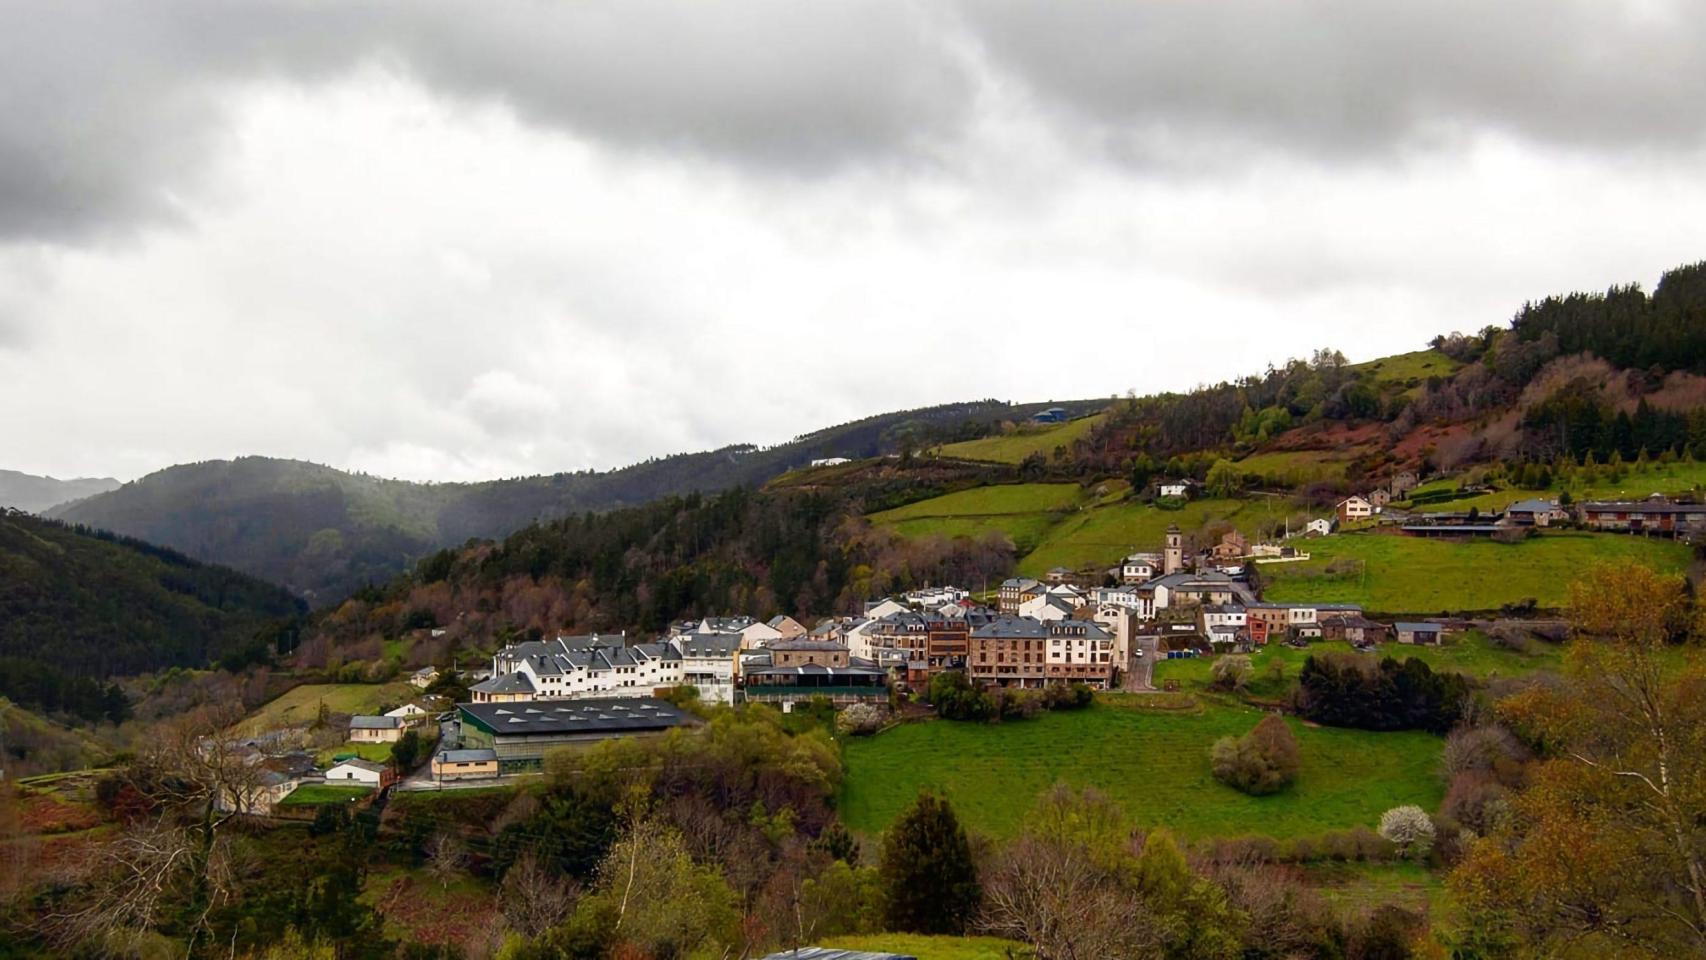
[78, 607]
[640, 569]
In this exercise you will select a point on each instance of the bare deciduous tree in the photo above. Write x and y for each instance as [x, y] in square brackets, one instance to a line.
[533, 898]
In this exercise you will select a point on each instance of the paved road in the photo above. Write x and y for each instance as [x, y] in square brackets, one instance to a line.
[1140, 672]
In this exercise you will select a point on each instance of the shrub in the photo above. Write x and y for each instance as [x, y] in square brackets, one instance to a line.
[1410, 828]
[862, 719]
[1262, 761]
[1232, 672]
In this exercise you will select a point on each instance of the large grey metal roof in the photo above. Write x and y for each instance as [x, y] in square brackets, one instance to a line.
[602, 715]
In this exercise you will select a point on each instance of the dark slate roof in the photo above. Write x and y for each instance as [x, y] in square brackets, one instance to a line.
[1414, 627]
[373, 723]
[1531, 506]
[702, 645]
[1011, 628]
[603, 715]
[507, 683]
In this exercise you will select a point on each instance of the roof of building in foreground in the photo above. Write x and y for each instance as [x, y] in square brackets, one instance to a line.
[598, 715]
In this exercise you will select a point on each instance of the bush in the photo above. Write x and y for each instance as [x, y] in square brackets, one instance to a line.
[862, 719]
[1231, 672]
[1263, 761]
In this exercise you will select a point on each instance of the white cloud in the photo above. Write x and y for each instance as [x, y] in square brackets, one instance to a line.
[383, 267]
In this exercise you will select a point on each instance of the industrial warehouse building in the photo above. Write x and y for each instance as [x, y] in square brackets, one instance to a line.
[520, 732]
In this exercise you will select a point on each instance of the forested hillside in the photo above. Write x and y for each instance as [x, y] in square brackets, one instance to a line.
[78, 607]
[761, 553]
[324, 532]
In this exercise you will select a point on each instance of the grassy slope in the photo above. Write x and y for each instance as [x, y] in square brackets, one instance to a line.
[1671, 478]
[300, 705]
[1104, 535]
[1293, 468]
[934, 948]
[1404, 367]
[1154, 763]
[1058, 524]
[1015, 447]
[1022, 511]
[1415, 575]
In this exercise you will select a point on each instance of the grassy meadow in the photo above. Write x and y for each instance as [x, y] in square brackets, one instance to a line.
[1153, 762]
[1475, 655]
[1293, 468]
[1015, 447]
[1398, 574]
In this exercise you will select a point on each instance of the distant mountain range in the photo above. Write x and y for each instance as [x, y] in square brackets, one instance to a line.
[323, 533]
[23, 491]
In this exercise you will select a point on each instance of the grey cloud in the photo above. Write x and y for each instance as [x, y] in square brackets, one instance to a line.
[109, 111]
[1336, 78]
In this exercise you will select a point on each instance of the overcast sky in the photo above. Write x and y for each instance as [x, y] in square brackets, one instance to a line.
[455, 241]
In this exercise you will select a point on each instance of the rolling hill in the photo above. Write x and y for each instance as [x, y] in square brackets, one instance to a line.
[78, 607]
[33, 494]
[324, 533]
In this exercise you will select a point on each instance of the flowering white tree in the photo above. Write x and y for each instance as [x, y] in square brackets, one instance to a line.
[1410, 828]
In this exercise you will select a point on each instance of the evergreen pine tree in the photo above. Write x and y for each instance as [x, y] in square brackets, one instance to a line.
[927, 871]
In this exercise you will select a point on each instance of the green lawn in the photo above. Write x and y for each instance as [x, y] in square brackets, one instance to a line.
[377, 752]
[1401, 574]
[319, 794]
[1154, 763]
[933, 948]
[1474, 655]
[1015, 447]
[300, 705]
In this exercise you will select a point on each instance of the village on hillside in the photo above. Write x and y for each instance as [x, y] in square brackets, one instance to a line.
[1097, 629]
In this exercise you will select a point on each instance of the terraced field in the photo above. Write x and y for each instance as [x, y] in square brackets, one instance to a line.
[1397, 574]
[1155, 763]
[1015, 447]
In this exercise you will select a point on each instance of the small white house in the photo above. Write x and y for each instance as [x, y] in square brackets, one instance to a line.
[1176, 488]
[1355, 508]
[1319, 527]
[409, 714]
[356, 771]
